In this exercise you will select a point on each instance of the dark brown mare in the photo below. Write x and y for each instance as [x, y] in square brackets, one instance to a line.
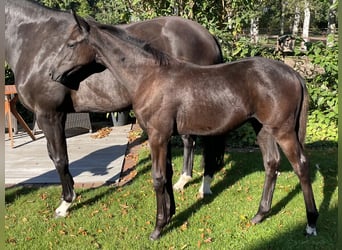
[172, 96]
[33, 33]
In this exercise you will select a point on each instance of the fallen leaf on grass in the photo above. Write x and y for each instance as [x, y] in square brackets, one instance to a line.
[127, 194]
[11, 240]
[124, 209]
[208, 240]
[185, 246]
[184, 226]
[62, 232]
[125, 206]
[94, 212]
[43, 196]
[199, 243]
[82, 231]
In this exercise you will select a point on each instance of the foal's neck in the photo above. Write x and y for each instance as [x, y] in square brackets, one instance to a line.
[129, 63]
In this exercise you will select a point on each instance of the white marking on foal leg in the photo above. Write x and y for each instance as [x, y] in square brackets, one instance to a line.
[183, 180]
[62, 210]
[311, 231]
[205, 187]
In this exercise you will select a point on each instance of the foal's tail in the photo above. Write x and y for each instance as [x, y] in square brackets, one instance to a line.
[303, 113]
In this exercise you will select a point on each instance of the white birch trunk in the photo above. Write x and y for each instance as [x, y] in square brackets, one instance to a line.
[331, 23]
[306, 24]
[296, 22]
[254, 32]
[282, 19]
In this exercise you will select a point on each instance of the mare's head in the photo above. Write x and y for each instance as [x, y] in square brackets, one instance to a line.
[76, 57]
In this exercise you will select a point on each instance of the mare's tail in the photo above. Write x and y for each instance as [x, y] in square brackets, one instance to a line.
[219, 58]
[213, 154]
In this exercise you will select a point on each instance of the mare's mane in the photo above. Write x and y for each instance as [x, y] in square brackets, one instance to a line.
[159, 56]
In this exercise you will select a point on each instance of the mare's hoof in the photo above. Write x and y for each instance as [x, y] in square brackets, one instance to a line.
[62, 210]
[183, 180]
[60, 215]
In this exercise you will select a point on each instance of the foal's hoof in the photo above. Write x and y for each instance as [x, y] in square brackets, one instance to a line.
[310, 231]
[155, 235]
[201, 195]
[257, 219]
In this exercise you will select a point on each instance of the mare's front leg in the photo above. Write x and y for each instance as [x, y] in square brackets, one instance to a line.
[52, 124]
[212, 161]
[188, 162]
[162, 182]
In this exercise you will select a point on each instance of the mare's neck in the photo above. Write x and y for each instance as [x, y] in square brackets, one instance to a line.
[27, 24]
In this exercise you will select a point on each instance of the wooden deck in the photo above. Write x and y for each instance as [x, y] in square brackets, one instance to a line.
[93, 161]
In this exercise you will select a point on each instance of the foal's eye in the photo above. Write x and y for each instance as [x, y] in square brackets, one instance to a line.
[71, 45]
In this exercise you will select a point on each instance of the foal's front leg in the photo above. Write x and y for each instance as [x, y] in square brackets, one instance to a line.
[162, 182]
[53, 128]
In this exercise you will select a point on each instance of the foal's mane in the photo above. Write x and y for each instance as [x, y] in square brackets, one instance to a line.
[160, 57]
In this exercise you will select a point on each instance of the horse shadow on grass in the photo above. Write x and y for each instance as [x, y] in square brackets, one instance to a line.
[326, 167]
[238, 171]
[110, 190]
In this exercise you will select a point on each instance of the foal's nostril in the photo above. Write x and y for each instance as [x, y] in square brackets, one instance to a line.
[51, 74]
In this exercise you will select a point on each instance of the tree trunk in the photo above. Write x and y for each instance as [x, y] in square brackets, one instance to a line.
[254, 29]
[306, 25]
[331, 23]
[282, 19]
[296, 22]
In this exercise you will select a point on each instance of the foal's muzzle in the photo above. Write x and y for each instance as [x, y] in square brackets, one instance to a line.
[55, 77]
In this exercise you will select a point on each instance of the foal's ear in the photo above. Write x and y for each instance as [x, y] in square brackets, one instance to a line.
[81, 23]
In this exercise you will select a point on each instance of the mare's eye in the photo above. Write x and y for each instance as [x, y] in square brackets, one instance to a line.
[71, 45]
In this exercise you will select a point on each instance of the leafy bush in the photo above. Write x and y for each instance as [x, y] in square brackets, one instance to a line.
[322, 125]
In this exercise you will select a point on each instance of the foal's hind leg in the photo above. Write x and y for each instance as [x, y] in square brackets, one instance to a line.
[188, 159]
[271, 159]
[294, 153]
[53, 128]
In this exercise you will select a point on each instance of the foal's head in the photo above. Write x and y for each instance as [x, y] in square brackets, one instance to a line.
[75, 55]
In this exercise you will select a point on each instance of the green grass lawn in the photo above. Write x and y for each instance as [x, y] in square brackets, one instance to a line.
[123, 217]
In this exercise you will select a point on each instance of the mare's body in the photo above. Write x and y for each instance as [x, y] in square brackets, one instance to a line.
[172, 96]
[33, 33]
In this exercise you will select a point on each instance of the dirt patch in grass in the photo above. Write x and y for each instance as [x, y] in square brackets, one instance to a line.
[135, 142]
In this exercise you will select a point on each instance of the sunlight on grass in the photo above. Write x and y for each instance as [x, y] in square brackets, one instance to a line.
[122, 218]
